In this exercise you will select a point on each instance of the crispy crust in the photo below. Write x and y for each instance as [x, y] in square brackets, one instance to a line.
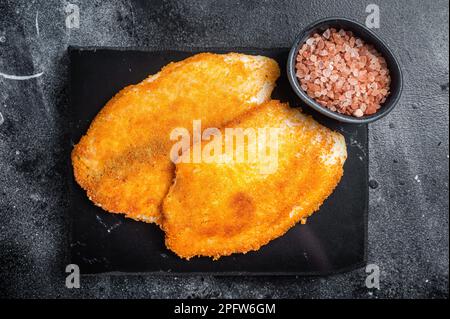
[219, 209]
[123, 160]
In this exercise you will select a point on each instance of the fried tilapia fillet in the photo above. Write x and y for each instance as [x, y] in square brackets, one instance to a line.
[225, 206]
[123, 160]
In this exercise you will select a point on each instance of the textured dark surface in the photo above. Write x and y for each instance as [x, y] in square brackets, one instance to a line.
[408, 216]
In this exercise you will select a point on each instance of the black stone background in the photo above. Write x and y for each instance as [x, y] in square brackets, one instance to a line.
[408, 215]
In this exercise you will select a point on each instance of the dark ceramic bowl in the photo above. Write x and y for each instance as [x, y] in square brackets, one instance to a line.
[369, 37]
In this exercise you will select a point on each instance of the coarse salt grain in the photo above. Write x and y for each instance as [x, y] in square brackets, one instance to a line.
[310, 41]
[343, 73]
[358, 113]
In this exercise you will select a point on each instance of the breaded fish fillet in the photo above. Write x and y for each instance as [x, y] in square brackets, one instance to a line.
[217, 209]
[123, 160]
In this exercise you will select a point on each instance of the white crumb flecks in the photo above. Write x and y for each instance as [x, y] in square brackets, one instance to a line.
[254, 63]
[290, 123]
[2, 120]
[245, 59]
[101, 221]
[108, 228]
[318, 139]
[417, 179]
[263, 94]
[295, 211]
[152, 78]
[338, 151]
[148, 219]
[114, 226]
[250, 61]
[355, 143]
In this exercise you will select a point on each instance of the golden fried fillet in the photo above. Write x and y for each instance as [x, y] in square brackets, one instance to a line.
[216, 209]
[123, 161]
